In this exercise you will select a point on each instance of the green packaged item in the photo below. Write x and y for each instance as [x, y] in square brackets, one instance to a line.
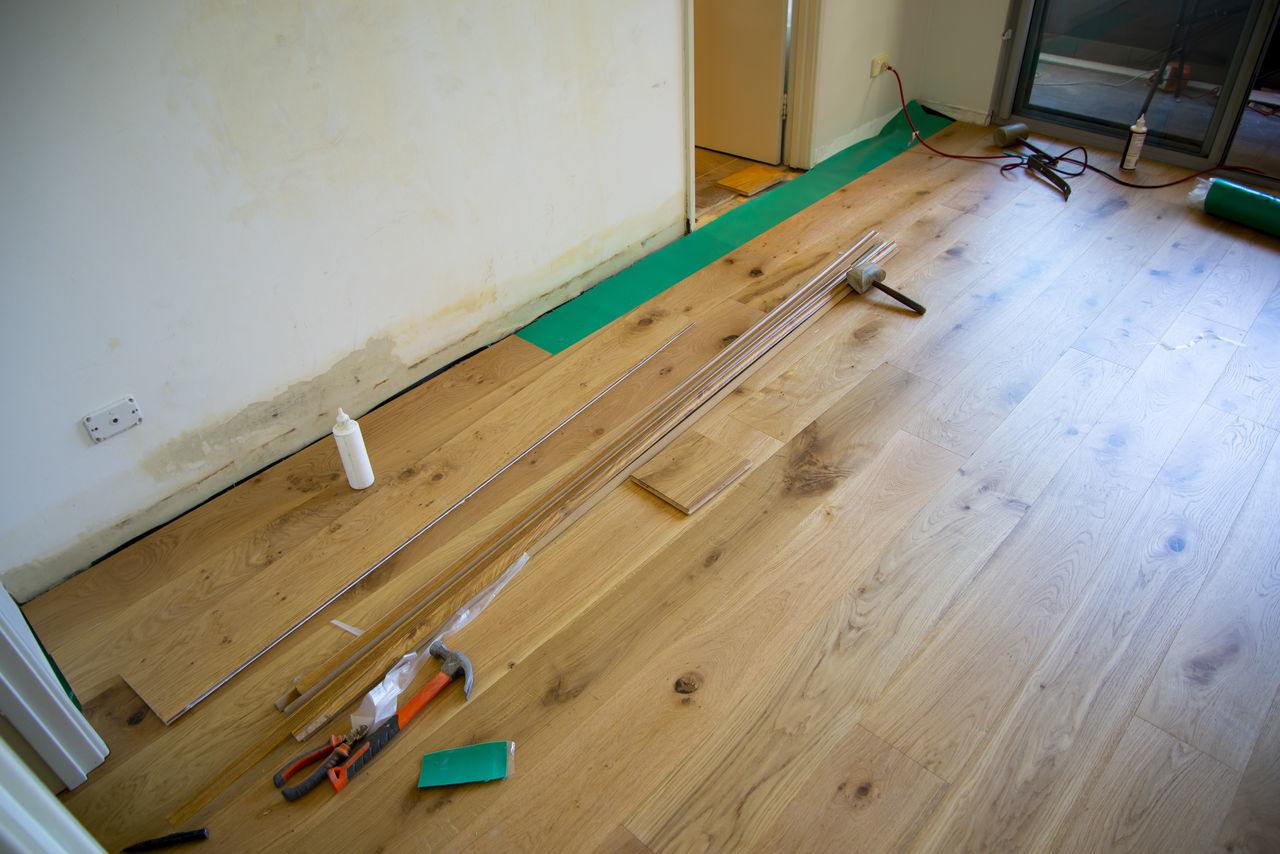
[1238, 203]
[474, 763]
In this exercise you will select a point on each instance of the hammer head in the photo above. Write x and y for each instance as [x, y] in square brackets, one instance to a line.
[861, 277]
[453, 662]
[1010, 134]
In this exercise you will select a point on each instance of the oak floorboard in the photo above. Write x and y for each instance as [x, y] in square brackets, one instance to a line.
[946, 341]
[691, 471]
[1214, 685]
[1072, 711]
[863, 790]
[1252, 823]
[1250, 385]
[1241, 283]
[1137, 319]
[713, 651]
[981, 395]
[1155, 794]
[942, 708]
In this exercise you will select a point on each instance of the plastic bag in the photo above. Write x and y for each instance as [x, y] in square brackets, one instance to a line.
[382, 702]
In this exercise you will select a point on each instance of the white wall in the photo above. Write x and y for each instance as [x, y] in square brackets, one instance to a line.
[946, 51]
[958, 52]
[247, 214]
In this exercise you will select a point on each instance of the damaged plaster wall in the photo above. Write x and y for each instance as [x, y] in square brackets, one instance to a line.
[245, 215]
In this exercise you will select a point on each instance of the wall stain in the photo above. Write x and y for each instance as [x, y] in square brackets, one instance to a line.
[252, 435]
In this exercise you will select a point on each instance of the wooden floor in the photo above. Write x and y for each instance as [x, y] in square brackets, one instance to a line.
[1004, 577]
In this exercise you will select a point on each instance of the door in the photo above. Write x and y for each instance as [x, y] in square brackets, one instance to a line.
[739, 76]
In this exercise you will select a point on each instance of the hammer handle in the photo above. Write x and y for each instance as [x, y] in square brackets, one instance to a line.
[435, 686]
[900, 297]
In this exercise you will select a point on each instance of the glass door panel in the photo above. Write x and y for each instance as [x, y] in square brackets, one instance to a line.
[1099, 64]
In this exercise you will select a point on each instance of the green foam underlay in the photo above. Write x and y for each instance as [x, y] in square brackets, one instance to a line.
[653, 274]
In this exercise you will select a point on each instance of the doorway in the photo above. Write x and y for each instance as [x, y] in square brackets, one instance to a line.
[743, 66]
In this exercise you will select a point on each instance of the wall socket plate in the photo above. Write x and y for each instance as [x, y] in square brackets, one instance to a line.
[879, 64]
[110, 420]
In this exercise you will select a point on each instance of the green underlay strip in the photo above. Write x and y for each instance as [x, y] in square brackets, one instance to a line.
[653, 274]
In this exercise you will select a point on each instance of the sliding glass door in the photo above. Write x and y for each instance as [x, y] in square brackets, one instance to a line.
[1095, 66]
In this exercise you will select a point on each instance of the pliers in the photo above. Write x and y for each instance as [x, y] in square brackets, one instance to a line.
[330, 755]
[345, 755]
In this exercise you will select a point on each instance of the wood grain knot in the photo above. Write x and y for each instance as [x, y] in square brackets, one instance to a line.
[688, 683]
[756, 272]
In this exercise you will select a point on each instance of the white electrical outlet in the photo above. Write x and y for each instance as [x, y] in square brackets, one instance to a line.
[113, 419]
[879, 64]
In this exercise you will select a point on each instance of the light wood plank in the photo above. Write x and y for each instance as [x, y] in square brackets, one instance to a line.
[1213, 688]
[754, 179]
[1250, 386]
[981, 395]
[691, 471]
[945, 705]
[1072, 711]
[864, 790]
[1138, 318]
[946, 341]
[1252, 824]
[1240, 284]
[1155, 794]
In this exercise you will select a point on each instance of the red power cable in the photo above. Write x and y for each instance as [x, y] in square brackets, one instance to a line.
[1083, 164]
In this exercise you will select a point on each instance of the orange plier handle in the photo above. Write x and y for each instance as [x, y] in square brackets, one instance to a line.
[333, 753]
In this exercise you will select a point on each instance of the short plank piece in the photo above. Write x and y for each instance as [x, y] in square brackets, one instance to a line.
[691, 472]
[754, 179]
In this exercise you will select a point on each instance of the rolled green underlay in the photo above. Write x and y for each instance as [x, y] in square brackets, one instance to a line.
[653, 274]
[1244, 205]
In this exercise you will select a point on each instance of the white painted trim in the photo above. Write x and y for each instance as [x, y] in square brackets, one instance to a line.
[690, 167]
[33, 700]
[31, 818]
[960, 114]
[806, 22]
[866, 130]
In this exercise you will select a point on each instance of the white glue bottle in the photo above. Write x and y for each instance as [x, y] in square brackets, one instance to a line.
[1133, 148]
[355, 459]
